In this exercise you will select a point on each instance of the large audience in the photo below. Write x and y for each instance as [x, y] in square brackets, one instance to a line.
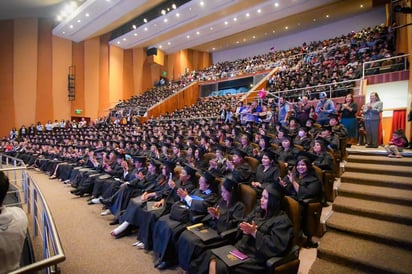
[186, 167]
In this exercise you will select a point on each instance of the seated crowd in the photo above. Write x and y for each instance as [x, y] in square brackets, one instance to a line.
[160, 177]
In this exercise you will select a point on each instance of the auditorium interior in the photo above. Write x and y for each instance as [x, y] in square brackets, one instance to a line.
[181, 82]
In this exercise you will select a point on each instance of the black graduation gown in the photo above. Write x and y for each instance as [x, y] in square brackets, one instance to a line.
[138, 215]
[310, 187]
[273, 239]
[167, 231]
[270, 176]
[190, 246]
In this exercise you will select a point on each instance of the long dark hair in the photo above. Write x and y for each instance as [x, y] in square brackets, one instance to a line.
[275, 198]
[4, 186]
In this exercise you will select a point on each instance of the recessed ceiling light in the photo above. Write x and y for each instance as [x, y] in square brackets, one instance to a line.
[174, 6]
[177, 14]
[202, 3]
[71, 26]
[118, 42]
[273, 31]
[124, 39]
[211, 28]
[226, 22]
[163, 12]
[135, 34]
[314, 19]
[168, 43]
[213, 48]
[87, 15]
[78, 21]
[145, 20]
[276, 4]
[145, 29]
[165, 20]
[160, 46]
[235, 19]
[286, 27]
[254, 37]
[259, 11]
[237, 42]
[64, 32]
[244, 39]
[361, 6]
[134, 27]
[188, 36]
[327, 15]
[198, 33]
[247, 14]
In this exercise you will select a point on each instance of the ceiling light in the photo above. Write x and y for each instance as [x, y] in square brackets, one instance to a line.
[145, 29]
[71, 26]
[78, 21]
[259, 11]
[124, 39]
[135, 34]
[177, 14]
[213, 48]
[235, 19]
[168, 43]
[254, 37]
[118, 42]
[165, 20]
[286, 27]
[211, 28]
[361, 6]
[247, 14]
[327, 15]
[237, 42]
[145, 20]
[87, 15]
[59, 18]
[163, 12]
[160, 46]
[187, 36]
[174, 6]
[134, 26]
[226, 22]
[276, 4]
[198, 33]
[202, 3]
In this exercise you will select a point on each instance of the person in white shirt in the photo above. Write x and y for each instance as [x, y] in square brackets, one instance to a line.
[13, 229]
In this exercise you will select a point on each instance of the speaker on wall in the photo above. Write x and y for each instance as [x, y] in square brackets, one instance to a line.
[151, 51]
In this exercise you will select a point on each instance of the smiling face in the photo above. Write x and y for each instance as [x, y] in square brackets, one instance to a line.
[301, 167]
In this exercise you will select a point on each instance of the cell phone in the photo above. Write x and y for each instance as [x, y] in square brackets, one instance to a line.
[170, 176]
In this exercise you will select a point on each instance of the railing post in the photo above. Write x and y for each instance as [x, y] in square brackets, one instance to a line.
[35, 212]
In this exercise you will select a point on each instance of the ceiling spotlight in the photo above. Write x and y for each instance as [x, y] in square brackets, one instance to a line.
[165, 20]
[124, 39]
[235, 19]
[177, 14]
[163, 12]
[168, 43]
[87, 15]
[134, 26]
[174, 6]
[145, 20]
[226, 22]
[276, 4]
[188, 36]
[247, 14]
[198, 33]
[202, 3]
[71, 26]
[145, 29]
[259, 11]
[135, 34]
[59, 18]
[327, 15]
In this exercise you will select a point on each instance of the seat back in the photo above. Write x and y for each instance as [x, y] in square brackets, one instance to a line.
[248, 196]
[282, 168]
[291, 207]
[208, 156]
[252, 162]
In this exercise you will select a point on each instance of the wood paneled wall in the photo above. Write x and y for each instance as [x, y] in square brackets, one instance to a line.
[34, 68]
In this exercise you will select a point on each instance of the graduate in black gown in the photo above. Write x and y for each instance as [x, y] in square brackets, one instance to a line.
[267, 232]
[267, 172]
[168, 228]
[138, 215]
[224, 216]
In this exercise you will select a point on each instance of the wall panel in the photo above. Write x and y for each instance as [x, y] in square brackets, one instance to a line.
[25, 70]
[62, 59]
[78, 63]
[91, 80]
[44, 99]
[7, 108]
[115, 74]
[104, 75]
[128, 83]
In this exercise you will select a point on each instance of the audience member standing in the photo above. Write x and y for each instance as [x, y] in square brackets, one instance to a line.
[349, 109]
[324, 107]
[372, 111]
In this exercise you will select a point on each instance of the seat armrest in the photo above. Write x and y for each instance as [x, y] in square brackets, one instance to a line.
[229, 234]
[293, 254]
[196, 219]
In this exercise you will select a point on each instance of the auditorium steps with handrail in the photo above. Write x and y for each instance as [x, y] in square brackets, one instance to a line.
[371, 224]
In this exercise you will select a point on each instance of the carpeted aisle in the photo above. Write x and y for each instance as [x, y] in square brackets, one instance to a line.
[85, 235]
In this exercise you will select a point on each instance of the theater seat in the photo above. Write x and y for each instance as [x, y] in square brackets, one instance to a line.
[252, 162]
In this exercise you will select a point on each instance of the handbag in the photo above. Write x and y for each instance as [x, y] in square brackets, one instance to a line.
[180, 212]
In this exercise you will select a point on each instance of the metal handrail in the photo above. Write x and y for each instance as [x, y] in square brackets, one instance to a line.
[53, 253]
[385, 59]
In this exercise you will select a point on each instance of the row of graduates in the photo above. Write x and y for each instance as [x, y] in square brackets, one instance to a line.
[162, 226]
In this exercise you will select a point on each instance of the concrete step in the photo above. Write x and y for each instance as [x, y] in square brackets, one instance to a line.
[374, 209]
[389, 233]
[386, 169]
[383, 180]
[321, 266]
[364, 254]
[380, 160]
[376, 193]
